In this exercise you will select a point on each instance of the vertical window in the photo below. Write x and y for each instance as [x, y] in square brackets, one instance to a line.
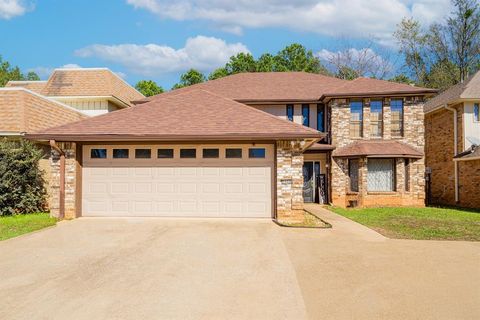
[353, 166]
[407, 174]
[321, 117]
[396, 107]
[290, 112]
[376, 118]
[476, 112]
[381, 175]
[306, 115]
[356, 119]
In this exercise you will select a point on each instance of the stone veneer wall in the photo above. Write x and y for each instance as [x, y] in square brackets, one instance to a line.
[413, 135]
[289, 179]
[439, 158]
[71, 170]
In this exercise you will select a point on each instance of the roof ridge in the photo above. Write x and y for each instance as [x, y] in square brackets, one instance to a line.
[250, 108]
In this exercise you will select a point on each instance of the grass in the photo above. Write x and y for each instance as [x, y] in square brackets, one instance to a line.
[307, 221]
[12, 226]
[429, 223]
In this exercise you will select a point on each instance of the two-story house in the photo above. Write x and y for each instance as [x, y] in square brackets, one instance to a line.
[250, 145]
[452, 124]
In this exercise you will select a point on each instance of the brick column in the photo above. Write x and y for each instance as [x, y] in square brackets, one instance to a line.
[70, 180]
[289, 178]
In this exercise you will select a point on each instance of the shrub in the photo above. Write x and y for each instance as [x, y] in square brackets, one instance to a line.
[22, 186]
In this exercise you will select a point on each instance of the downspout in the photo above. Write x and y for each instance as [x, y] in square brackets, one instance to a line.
[54, 145]
[455, 148]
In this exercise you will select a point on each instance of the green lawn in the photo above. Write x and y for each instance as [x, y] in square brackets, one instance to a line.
[12, 226]
[418, 223]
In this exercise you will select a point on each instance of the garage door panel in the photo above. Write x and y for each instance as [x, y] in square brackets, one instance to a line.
[189, 187]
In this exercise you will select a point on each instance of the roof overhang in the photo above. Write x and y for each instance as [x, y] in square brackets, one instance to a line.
[111, 137]
[113, 99]
[327, 97]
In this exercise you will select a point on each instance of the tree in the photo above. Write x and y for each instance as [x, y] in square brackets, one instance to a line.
[412, 42]
[189, 78]
[218, 73]
[401, 78]
[296, 57]
[242, 62]
[148, 88]
[346, 73]
[22, 186]
[464, 28]
[8, 73]
[266, 63]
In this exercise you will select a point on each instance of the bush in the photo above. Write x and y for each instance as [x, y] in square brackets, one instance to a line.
[22, 186]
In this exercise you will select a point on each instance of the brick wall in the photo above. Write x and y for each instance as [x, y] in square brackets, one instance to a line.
[71, 170]
[413, 136]
[289, 179]
[439, 158]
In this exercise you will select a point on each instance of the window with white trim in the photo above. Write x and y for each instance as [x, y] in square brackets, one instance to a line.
[381, 175]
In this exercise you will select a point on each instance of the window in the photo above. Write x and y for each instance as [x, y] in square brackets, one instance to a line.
[396, 107]
[306, 115]
[210, 153]
[407, 174]
[356, 119]
[381, 175]
[321, 117]
[98, 153]
[290, 112]
[165, 153]
[120, 153]
[143, 153]
[188, 153]
[476, 112]
[376, 118]
[233, 153]
[353, 165]
[256, 153]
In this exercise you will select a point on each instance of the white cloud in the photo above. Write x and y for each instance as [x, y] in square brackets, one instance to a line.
[45, 72]
[70, 66]
[12, 8]
[202, 53]
[355, 18]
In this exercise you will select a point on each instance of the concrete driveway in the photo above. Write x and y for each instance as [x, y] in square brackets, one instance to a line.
[94, 268]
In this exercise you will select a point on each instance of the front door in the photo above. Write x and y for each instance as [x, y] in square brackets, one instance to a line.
[314, 183]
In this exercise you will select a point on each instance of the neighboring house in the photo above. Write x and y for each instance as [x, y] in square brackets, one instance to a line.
[67, 96]
[214, 149]
[452, 124]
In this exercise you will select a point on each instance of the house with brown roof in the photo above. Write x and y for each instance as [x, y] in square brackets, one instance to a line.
[453, 145]
[247, 145]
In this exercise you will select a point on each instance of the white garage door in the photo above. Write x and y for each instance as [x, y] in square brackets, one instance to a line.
[181, 181]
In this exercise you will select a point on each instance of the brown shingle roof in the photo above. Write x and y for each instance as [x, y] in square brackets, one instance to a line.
[295, 86]
[35, 86]
[368, 86]
[89, 82]
[191, 115]
[469, 89]
[377, 148]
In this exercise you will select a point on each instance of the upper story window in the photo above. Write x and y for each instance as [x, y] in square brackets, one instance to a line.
[290, 112]
[356, 119]
[306, 115]
[476, 112]
[376, 118]
[321, 117]
[396, 108]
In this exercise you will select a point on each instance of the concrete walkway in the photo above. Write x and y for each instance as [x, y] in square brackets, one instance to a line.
[100, 268]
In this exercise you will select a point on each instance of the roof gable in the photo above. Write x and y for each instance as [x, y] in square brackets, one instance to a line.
[191, 115]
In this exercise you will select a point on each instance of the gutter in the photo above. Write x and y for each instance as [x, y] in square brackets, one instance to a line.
[54, 145]
[455, 148]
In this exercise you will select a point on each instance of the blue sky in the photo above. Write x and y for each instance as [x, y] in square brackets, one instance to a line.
[158, 39]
